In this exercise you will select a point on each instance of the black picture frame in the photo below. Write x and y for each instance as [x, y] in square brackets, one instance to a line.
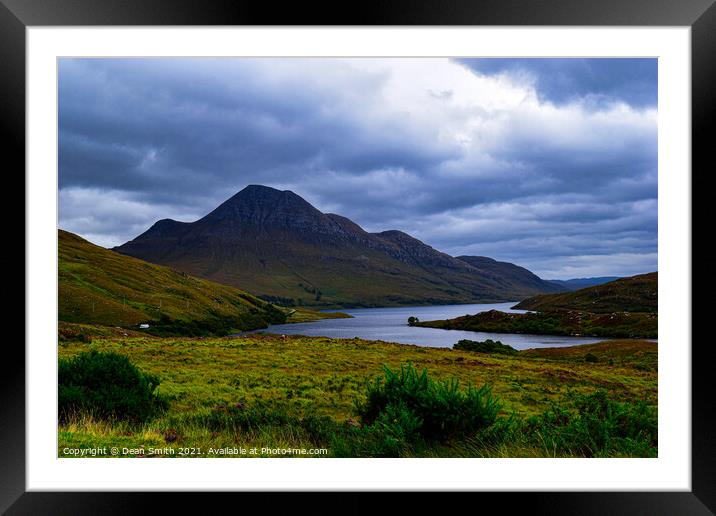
[700, 15]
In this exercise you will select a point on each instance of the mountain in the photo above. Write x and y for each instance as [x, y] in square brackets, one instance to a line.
[511, 276]
[577, 283]
[275, 244]
[98, 286]
[633, 294]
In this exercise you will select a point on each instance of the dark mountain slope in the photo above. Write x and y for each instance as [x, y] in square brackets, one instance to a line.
[510, 276]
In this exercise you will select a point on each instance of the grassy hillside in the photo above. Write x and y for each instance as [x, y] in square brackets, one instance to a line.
[563, 322]
[638, 354]
[633, 294]
[625, 308]
[98, 286]
[265, 391]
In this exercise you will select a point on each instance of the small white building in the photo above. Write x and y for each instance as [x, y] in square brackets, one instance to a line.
[143, 326]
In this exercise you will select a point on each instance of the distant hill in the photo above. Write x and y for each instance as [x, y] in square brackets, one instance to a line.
[633, 294]
[98, 286]
[278, 246]
[625, 308]
[511, 276]
[565, 322]
[577, 283]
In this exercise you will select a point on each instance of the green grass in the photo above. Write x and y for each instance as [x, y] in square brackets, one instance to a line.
[303, 392]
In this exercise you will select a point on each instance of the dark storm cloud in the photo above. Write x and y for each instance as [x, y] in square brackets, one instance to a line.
[598, 80]
[135, 125]
[551, 173]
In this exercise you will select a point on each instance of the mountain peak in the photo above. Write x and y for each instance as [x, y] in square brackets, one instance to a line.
[259, 193]
[263, 190]
[260, 188]
[259, 199]
[263, 208]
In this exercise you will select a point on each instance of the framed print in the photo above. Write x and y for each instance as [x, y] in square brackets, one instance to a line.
[419, 250]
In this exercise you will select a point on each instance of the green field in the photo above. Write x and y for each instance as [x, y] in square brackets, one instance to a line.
[301, 392]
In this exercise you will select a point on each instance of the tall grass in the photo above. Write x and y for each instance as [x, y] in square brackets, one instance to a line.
[598, 426]
[401, 413]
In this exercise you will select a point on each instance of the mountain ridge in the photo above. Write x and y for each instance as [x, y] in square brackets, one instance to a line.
[509, 272]
[579, 283]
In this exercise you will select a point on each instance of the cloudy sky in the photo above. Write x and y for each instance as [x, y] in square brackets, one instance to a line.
[547, 163]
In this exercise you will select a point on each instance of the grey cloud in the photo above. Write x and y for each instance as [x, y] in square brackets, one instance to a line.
[144, 139]
[594, 81]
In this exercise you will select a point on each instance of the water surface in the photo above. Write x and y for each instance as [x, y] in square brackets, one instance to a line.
[391, 325]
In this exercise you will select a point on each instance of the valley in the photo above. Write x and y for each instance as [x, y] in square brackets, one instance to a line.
[220, 361]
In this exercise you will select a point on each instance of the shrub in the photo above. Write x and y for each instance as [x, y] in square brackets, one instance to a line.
[409, 406]
[107, 386]
[412, 321]
[591, 357]
[599, 427]
[485, 346]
